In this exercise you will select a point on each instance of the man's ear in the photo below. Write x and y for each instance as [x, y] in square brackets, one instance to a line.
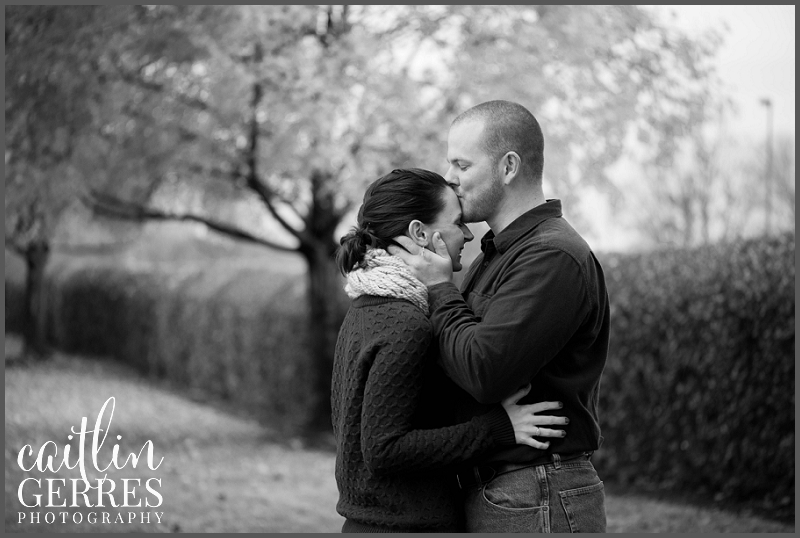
[510, 166]
[418, 233]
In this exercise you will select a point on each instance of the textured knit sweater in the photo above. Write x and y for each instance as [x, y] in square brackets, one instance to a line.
[392, 419]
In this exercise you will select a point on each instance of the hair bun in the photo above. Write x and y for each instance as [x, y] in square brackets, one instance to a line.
[353, 248]
[365, 237]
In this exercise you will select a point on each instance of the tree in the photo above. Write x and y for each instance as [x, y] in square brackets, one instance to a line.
[716, 191]
[699, 184]
[293, 59]
[298, 107]
[52, 87]
[686, 199]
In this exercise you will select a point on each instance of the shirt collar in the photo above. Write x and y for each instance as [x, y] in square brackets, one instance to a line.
[521, 225]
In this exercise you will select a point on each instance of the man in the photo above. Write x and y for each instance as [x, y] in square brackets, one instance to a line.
[533, 308]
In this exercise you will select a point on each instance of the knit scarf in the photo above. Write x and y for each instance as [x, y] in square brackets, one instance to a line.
[386, 276]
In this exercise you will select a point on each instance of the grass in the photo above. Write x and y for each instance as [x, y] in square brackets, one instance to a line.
[222, 471]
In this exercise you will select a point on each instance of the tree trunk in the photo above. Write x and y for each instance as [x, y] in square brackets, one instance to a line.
[34, 315]
[327, 305]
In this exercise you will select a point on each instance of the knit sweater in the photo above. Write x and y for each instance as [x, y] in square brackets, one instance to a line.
[392, 419]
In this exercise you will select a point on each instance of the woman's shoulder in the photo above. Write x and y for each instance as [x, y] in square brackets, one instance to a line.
[399, 314]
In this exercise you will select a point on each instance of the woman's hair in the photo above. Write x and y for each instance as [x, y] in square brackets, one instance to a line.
[390, 203]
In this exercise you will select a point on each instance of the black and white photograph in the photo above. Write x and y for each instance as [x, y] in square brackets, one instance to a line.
[400, 268]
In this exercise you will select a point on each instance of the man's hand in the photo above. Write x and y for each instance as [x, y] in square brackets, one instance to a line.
[430, 267]
[527, 423]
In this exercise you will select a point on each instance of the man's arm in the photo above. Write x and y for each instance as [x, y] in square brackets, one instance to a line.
[538, 305]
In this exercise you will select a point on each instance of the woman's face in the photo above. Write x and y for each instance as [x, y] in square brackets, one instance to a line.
[454, 232]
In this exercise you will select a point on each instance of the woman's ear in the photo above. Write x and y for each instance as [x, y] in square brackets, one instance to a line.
[418, 233]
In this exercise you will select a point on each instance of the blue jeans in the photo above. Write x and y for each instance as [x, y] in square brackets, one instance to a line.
[554, 497]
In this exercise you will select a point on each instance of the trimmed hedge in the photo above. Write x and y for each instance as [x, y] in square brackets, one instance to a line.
[237, 334]
[698, 392]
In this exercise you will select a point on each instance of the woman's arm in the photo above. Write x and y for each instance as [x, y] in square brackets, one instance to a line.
[388, 441]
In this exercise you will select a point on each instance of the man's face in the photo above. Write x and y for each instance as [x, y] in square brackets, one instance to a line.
[473, 172]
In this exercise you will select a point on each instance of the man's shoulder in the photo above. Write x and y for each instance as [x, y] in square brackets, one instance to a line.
[557, 234]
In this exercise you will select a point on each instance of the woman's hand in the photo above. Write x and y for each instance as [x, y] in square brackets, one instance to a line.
[527, 424]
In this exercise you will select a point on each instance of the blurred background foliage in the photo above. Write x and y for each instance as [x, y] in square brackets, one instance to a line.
[698, 393]
[258, 128]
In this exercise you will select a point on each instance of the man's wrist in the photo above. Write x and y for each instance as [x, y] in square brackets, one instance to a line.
[442, 284]
[436, 281]
[442, 292]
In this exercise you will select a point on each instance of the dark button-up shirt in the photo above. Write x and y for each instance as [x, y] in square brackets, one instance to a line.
[533, 308]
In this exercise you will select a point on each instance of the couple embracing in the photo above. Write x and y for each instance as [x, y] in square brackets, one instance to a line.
[474, 409]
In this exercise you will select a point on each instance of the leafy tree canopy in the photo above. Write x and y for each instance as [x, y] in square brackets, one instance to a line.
[300, 106]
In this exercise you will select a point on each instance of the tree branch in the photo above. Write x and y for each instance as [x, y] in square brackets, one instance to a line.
[254, 182]
[16, 246]
[256, 185]
[292, 208]
[212, 171]
[116, 207]
[286, 202]
[136, 79]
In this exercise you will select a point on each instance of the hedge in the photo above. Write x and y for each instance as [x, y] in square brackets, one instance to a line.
[698, 391]
[238, 335]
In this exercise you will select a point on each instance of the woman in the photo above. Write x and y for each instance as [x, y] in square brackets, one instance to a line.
[395, 443]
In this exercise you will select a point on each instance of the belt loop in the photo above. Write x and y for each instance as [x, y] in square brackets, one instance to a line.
[557, 461]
